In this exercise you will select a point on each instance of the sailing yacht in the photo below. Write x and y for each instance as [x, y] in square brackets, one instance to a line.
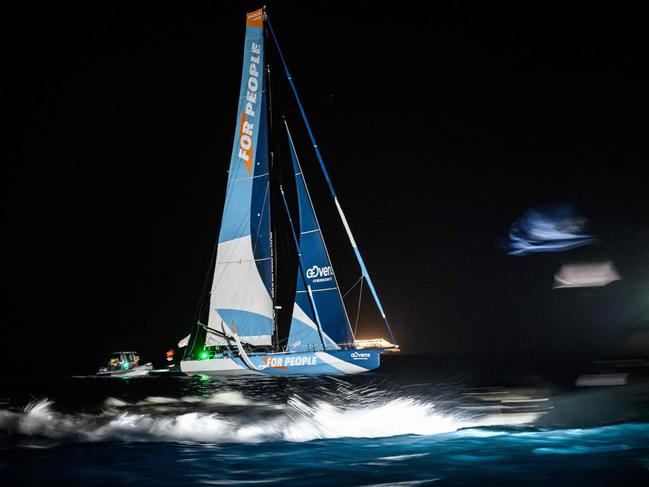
[241, 334]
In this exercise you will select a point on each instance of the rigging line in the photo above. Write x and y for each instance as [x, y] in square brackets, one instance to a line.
[353, 286]
[201, 300]
[358, 309]
[329, 183]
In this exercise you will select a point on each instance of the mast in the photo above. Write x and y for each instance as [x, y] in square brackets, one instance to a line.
[329, 183]
[271, 172]
[275, 182]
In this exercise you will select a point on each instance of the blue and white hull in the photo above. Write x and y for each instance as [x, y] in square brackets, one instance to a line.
[334, 362]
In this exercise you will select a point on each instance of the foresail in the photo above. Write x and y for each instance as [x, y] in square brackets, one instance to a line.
[325, 173]
[242, 284]
[304, 333]
[325, 302]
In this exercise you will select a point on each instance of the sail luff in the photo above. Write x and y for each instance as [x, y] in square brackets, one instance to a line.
[329, 183]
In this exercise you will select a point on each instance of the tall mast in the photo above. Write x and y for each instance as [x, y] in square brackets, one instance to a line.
[271, 171]
[329, 183]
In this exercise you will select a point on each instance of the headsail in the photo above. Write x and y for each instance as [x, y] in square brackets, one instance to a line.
[242, 284]
[317, 278]
[361, 263]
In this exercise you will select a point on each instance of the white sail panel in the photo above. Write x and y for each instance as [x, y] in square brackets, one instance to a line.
[239, 295]
[304, 333]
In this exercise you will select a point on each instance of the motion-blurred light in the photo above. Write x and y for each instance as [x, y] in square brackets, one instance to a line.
[594, 274]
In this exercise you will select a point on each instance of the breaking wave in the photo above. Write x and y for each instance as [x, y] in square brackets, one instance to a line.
[295, 421]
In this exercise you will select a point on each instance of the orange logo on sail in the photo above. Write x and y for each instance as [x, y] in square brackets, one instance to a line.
[245, 142]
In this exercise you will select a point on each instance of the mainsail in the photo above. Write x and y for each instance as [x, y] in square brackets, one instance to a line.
[242, 283]
[318, 303]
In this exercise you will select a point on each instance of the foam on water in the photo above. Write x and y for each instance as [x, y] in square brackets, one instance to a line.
[402, 416]
[209, 440]
[226, 398]
[297, 421]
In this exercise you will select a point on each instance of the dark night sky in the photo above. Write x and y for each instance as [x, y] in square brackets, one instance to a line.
[441, 124]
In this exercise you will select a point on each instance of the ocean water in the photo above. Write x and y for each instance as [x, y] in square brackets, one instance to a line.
[383, 428]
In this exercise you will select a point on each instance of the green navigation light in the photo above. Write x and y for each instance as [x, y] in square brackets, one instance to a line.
[203, 355]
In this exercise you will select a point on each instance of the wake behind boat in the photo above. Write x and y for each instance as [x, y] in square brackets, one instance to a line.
[242, 334]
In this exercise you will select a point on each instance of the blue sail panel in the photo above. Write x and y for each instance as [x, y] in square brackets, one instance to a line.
[260, 206]
[317, 272]
[242, 287]
[304, 334]
[237, 215]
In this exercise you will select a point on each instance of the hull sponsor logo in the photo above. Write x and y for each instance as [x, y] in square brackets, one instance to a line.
[286, 362]
[360, 355]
